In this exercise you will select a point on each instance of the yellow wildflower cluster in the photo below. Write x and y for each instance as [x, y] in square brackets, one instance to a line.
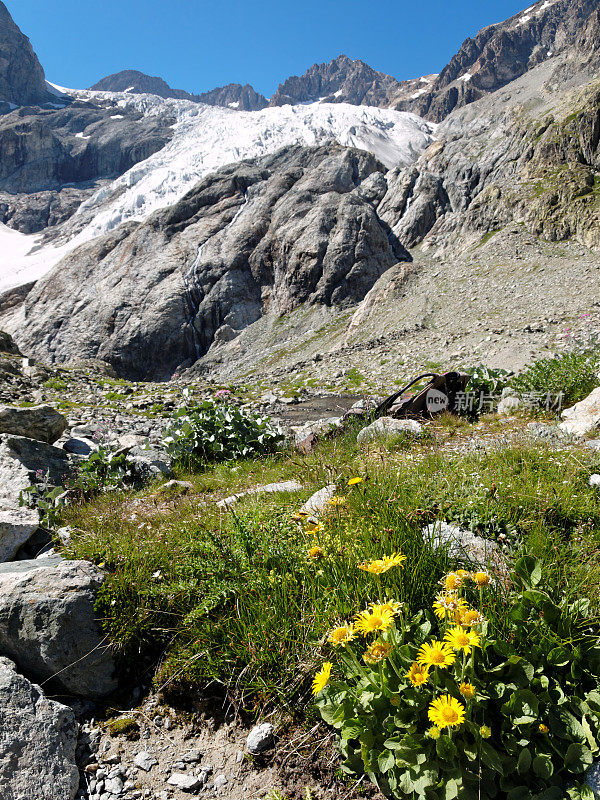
[384, 564]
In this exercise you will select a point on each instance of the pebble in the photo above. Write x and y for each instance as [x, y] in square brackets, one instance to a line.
[144, 761]
[187, 783]
[260, 738]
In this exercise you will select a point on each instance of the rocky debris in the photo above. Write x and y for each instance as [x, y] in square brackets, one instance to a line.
[16, 528]
[300, 211]
[317, 428]
[80, 446]
[37, 742]
[149, 463]
[260, 738]
[43, 423]
[269, 488]
[386, 428]
[583, 417]
[236, 96]
[7, 345]
[318, 504]
[48, 625]
[23, 461]
[462, 545]
[544, 431]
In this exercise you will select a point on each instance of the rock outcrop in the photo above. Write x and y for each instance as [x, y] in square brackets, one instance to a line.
[48, 626]
[22, 80]
[38, 739]
[298, 227]
[43, 423]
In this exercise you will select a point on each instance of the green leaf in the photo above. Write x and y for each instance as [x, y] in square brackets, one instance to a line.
[524, 763]
[543, 767]
[491, 758]
[559, 657]
[519, 793]
[386, 761]
[451, 789]
[522, 707]
[565, 725]
[446, 748]
[529, 570]
[578, 758]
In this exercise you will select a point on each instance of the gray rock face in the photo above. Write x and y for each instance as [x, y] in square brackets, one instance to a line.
[16, 527]
[583, 417]
[43, 423]
[22, 79]
[288, 229]
[37, 742]
[22, 458]
[47, 624]
[234, 95]
[388, 428]
[462, 545]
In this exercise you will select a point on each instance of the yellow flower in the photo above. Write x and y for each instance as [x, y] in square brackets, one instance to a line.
[446, 712]
[448, 606]
[390, 605]
[341, 635]
[434, 733]
[485, 732]
[337, 501]
[467, 690]
[316, 553]
[451, 582]
[543, 728]
[436, 654]
[376, 652]
[418, 674]
[481, 578]
[354, 481]
[395, 560]
[382, 565]
[322, 678]
[463, 573]
[459, 639]
[313, 527]
[469, 617]
[377, 619]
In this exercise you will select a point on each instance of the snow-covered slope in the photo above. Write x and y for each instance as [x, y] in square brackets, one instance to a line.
[206, 138]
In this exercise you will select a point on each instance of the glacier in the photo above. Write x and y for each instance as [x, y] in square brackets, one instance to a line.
[206, 138]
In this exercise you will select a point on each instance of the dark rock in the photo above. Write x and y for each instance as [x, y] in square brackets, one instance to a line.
[43, 423]
[7, 345]
[22, 80]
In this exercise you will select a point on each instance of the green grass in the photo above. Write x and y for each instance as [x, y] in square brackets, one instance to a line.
[194, 595]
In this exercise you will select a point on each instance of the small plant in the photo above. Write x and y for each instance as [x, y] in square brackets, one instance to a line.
[48, 499]
[572, 375]
[442, 706]
[219, 431]
[487, 381]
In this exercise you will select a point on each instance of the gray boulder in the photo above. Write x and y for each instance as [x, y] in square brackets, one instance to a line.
[318, 504]
[148, 463]
[583, 417]
[48, 626]
[386, 428]
[16, 528]
[462, 545]
[38, 738]
[21, 460]
[269, 488]
[43, 423]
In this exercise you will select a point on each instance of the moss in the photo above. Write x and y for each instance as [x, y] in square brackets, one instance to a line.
[124, 726]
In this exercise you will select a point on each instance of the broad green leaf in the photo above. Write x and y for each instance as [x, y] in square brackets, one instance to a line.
[524, 763]
[491, 758]
[578, 758]
[386, 761]
[543, 767]
[446, 748]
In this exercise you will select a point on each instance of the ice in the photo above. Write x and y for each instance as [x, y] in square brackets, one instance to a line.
[56, 90]
[466, 77]
[206, 138]
[234, 105]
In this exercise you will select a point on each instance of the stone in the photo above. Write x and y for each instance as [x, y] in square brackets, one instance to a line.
[43, 423]
[269, 488]
[544, 431]
[462, 545]
[192, 756]
[80, 446]
[16, 528]
[48, 625]
[260, 738]
[149, 463]
[318, 504]
[144, 761]
[583, 417]
[594, 480]
[23, 461]
[38, 739]
[593, 444]
[317, 428]
[509, 402]
[187, 783]
[386, 428]
[114, 785]
[220, 782]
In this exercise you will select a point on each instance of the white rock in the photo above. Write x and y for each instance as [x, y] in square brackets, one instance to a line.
[114, 785]
[145, 761]
[594, 480]
[318, 504]
[269, 488]
[389, 428]
[583, 416]
[187, 783]
[461, 545]
[260, 738]
[16, 526]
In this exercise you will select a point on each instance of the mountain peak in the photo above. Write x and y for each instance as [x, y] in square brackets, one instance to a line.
[22, 80]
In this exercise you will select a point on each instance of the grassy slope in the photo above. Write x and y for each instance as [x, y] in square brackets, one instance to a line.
[196, 595]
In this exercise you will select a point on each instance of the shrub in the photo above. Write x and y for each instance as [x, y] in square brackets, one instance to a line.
[485, 380]
[218, 431]
[573, 374]
[514, 716]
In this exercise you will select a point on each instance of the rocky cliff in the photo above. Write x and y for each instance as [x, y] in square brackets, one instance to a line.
[297, 227]
[22, 80]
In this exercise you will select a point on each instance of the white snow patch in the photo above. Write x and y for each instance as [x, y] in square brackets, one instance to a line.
[545, 5]
[418, 93]
[206, 138]
[234, 105]
[56, 90]
[466, 77]
[82, 136]
[118, 116]
[524, 20]
[128, 89]
[549, 53]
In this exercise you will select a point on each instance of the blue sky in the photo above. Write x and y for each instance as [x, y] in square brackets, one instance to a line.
[197, 45]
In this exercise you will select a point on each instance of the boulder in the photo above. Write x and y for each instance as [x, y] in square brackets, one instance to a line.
[16, 527]
[148, 463]
[48, 625]
[38, 738]
[7, 345]
[318, 504]
[80, 446]
[462, 545]
[583, 417]
[386, 428]
[43, 423]
[319, 427]
[21, 460]
[260, 738]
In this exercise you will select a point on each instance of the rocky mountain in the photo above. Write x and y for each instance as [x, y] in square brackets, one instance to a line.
[234, 95]
[298, 227]
[22, 80]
